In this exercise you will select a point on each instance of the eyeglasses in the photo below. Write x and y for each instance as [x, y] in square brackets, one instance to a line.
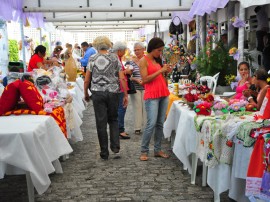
[137, 49]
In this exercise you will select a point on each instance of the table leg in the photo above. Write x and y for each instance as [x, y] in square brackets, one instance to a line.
[216, 197]
[204, 175]
[194, 168]
[30, 188]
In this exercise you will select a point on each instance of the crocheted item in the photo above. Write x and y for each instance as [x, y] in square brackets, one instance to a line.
[243, 133]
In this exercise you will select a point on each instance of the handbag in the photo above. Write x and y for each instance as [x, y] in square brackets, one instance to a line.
[176, 29]
[131, 86]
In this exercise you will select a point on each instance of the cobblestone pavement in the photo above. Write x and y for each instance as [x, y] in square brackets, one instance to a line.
[87, 178]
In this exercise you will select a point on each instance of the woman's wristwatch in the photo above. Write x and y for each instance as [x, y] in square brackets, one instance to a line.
[249, 98]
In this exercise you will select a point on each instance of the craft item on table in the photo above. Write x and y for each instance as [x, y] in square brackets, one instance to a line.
[236, 105]
[207, 97]
[10, 97]
[71, 69]
[203, 108]
[31, 96]
[175, 88]
[258, 175]
[203, 89]
[251, 107]
[220, 108]
[244, 131]
[42, 80]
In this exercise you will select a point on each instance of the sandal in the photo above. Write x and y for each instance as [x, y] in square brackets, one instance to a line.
[124, 136]
[144, 157]
[161, 154]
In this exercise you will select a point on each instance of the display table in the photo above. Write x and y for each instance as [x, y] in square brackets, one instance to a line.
[220, 177]
[31, 144]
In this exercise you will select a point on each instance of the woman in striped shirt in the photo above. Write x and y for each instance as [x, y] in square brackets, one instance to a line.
[137, 100]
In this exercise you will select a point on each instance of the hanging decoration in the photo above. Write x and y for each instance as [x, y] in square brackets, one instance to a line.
[236, 22]
[235, 53]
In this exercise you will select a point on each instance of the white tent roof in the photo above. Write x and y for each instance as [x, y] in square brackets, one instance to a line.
[108, 14]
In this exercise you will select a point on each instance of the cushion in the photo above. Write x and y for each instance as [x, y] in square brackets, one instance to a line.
[10, 97]
[31, 96]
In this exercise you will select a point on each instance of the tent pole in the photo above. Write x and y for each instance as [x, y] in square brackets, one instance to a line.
[23, 46]
[241, 34]
[198, 34]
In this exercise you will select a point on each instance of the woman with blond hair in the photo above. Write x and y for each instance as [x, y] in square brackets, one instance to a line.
[104, 71]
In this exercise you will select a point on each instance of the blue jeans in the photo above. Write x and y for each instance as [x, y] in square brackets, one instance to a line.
[156, 113]
[121, 114]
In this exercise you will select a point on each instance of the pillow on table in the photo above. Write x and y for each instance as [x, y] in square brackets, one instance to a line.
[9, 97]
[31, 96]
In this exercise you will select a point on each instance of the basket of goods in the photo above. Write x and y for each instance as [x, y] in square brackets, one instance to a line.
[191, 96]
[220, 107]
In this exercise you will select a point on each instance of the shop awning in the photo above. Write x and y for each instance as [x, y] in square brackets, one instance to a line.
[248, 3]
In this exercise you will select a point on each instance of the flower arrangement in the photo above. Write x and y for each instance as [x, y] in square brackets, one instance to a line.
[220, 108]
[236, 22]
[236, 105]
[171, 54]
[207, 97]
[232, 80]
[204, 108]
[235, 53]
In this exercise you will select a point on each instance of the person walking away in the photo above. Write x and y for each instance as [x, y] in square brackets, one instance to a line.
[104, 72]
[155, 96]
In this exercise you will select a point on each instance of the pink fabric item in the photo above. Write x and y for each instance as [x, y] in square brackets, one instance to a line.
[239, 91]
[157, 88]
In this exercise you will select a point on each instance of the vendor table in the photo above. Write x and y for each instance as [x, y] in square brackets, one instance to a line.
[31, 145]
[220, 177]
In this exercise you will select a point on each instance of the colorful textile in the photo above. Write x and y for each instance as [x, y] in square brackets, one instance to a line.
[258, 175]
[157, 88]
[244, 130]
[214, 146]
[31, 96]
[10, 97]
[58, 114]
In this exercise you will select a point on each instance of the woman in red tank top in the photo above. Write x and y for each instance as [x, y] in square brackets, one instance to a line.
[155, 96]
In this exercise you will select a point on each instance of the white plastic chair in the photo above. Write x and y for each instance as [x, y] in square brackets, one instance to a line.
[211, 82]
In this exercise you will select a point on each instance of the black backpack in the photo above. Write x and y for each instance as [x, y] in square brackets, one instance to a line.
[176, 29]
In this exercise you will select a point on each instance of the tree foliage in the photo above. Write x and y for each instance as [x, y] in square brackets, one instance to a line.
[213, 60]
[13, 50]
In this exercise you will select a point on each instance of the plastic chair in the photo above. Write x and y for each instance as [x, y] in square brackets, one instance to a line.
[211, 82]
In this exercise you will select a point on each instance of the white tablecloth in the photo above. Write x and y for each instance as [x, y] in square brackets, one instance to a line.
[181, 119]
[31, 143]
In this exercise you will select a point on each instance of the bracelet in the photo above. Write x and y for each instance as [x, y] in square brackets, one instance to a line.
[249, 98]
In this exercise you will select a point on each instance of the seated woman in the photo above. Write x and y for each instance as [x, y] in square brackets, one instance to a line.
[260, 80]
[37, 60]
[245, 82]
[55, 57]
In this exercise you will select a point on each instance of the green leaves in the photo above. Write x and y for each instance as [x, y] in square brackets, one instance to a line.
[13, 50]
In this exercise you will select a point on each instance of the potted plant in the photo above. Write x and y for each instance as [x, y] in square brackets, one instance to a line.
[214, 58]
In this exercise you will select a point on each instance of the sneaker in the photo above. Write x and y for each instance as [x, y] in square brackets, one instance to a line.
[116, 155]
[137, 132]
